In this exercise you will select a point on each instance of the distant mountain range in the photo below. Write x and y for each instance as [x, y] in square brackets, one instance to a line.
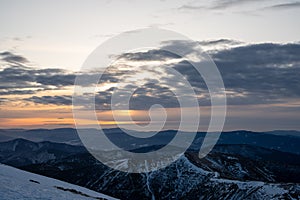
[286, 141]
[243, 165]
[63, 135]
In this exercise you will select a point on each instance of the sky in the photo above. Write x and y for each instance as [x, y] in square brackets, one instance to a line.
[255, 45]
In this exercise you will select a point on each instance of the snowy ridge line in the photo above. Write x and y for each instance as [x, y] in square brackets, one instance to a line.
[18, 184]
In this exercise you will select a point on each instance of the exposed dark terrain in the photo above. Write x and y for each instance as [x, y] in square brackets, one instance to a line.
[243, 165]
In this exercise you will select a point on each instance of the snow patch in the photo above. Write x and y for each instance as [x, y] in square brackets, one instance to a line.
[18, 184]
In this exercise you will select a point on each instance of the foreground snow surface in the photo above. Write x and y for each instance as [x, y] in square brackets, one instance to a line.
[18, 184]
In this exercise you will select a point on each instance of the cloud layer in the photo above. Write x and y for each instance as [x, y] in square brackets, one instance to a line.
[225, 4]
[253, 74]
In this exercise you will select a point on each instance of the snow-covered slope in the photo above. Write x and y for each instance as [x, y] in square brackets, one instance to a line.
[18, 184]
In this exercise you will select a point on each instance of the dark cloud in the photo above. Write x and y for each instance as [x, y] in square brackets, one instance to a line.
[217, 5]
[271, 70]
[163, 55]
[17, 92]
[258, 73]
[151, 55]
[263, 73]
[221, 4]
[142, 98]
[191, 7]
[59, 80]
[12, 58]
[219, 42]
[264, 55]
[102, 100]
[56, 100]
[99, 101]
[253, 74]
[153, 93]
[224, 4]
[2, 100]
[18, 79]
[15, 80]
[288, 5]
